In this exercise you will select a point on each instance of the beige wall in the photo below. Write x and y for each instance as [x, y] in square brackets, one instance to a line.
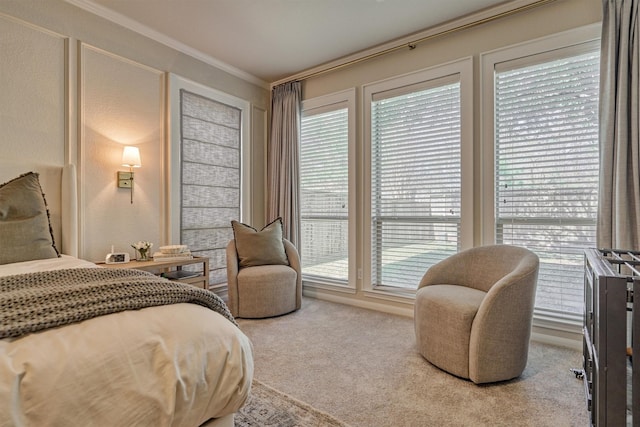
[555, 17]
[76, 88]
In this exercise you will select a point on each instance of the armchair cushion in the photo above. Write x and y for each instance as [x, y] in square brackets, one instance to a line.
[444, 327]
[264, 247]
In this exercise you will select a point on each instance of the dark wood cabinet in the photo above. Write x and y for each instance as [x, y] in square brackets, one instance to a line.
[611, 331]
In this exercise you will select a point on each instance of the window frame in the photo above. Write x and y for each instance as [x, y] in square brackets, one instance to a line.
[571, 42]
[334, 101]
[172, 159]
[463, 68]
[173, 150]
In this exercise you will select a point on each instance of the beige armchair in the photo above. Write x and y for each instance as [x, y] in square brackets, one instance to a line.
[473, 312]
[264, 290]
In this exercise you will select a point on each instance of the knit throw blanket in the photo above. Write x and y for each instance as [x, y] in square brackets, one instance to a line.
[36, 301]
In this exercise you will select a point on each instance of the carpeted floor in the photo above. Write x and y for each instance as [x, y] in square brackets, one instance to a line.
[362, 367]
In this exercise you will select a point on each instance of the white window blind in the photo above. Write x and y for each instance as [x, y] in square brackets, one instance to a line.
[210, 181]
[324, 190]
[546, 169]
[415, 180]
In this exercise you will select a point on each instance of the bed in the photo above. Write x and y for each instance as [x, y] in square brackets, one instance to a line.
[179, 360]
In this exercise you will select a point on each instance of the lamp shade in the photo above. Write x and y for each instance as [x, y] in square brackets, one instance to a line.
[131, 157]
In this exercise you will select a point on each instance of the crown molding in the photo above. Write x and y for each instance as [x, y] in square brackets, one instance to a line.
[139, 28]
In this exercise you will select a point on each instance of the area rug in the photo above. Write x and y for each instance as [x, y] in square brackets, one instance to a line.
[267, 407]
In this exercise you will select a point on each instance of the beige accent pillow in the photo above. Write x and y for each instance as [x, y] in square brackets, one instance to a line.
[264, 247]
[25, 231]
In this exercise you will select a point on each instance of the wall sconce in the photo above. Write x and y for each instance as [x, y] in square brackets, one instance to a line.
[130, 158]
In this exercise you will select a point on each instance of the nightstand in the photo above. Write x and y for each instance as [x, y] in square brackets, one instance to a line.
[173, 270]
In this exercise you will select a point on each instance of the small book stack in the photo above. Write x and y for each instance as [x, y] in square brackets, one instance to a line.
[173, 253]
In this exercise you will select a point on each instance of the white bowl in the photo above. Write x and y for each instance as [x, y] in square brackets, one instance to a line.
[173, 249]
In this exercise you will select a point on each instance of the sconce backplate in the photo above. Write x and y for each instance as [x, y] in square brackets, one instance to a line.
[125, 179]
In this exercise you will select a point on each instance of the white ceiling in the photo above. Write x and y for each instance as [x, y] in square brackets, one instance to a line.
[274, 39]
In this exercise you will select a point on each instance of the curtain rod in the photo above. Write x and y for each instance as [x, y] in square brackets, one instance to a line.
[413, 44]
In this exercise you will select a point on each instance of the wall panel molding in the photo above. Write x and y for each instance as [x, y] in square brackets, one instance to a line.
[121, 102]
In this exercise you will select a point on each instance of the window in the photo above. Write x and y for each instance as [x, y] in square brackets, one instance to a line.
[208, 172]
[418, 135]
[545, 165]
[326, 137]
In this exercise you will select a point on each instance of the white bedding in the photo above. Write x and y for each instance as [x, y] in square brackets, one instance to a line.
[174, 365]
[65, 261]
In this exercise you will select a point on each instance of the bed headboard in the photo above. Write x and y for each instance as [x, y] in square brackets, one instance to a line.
[59, 185]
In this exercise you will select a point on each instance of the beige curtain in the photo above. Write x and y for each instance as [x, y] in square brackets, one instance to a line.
[283, 165]
[619, 196]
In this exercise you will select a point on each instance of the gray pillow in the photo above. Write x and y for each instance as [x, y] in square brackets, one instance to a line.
[25, 231]
[264, 247]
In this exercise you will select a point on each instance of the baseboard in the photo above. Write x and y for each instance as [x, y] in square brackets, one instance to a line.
[563, 332]
[357, 302]
[558, 338]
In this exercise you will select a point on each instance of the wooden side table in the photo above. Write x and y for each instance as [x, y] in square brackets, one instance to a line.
[172, 270]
